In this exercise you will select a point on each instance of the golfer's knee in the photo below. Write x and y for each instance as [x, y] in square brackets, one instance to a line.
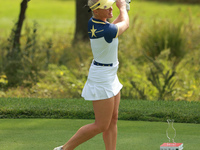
[114, 121]
[114, 118]
[102, 127]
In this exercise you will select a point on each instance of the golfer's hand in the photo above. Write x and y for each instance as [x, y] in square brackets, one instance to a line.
[121, 4]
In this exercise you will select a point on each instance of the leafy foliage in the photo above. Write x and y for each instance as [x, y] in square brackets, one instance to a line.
[63, 83]
[23, 69]
[55, 68]
[160, 74]
[161, 36]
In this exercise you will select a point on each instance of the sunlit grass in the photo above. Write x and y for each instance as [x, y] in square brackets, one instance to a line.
[45, 134]
[58, 16]
[150, 11]
[52, 16]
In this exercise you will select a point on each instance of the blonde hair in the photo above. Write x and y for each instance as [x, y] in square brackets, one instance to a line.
[92, 2]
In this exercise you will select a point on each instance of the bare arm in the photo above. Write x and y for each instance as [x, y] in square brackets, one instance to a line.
[122, 21]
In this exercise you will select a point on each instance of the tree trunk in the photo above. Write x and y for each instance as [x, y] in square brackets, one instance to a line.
[17, 34]
[82, 18]
[14, 66]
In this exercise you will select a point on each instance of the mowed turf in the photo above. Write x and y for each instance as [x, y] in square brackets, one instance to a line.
[58, 16]
[45, 134]
[52, 16]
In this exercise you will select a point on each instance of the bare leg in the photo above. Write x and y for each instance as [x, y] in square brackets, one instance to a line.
[110, 135]
[103, 110]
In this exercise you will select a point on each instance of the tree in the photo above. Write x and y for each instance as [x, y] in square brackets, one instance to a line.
[82, 17]
[14, 67]
[19, 24]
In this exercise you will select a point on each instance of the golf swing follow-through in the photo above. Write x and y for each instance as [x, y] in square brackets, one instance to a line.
[102, 86]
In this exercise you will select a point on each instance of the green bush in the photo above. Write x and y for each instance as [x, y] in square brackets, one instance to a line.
[23, 67]
[135, 83]
[164, 35]
[153, 80]
[161, 74]
[63, 83]
[177, 46]
[3, 84]
[188, 76]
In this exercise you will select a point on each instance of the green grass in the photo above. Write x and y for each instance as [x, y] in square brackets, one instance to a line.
[45, 134]
[58, 16]
[52, 15]
[182, 111]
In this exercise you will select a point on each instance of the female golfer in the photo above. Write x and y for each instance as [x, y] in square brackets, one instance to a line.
[102, 86]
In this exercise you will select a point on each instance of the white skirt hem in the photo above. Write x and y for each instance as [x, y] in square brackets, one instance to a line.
[103, 96]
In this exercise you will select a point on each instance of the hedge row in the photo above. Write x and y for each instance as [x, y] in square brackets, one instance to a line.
[140, 110]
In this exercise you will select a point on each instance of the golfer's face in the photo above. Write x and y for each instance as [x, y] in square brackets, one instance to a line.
[106, 13]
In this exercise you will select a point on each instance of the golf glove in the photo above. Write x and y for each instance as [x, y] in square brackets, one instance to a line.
[128, 5]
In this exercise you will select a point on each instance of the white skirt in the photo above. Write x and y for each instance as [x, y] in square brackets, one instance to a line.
[102, 83]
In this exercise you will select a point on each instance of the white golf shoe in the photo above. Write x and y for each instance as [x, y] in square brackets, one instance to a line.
[58, 148]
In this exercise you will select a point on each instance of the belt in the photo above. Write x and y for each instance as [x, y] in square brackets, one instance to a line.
[100, 64]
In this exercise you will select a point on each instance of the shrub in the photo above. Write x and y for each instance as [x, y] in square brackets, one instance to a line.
[58, 82]
[161, 74]
[161, 36]
[135, 83]
[188, 77]
[23, 68]
[170, 76]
